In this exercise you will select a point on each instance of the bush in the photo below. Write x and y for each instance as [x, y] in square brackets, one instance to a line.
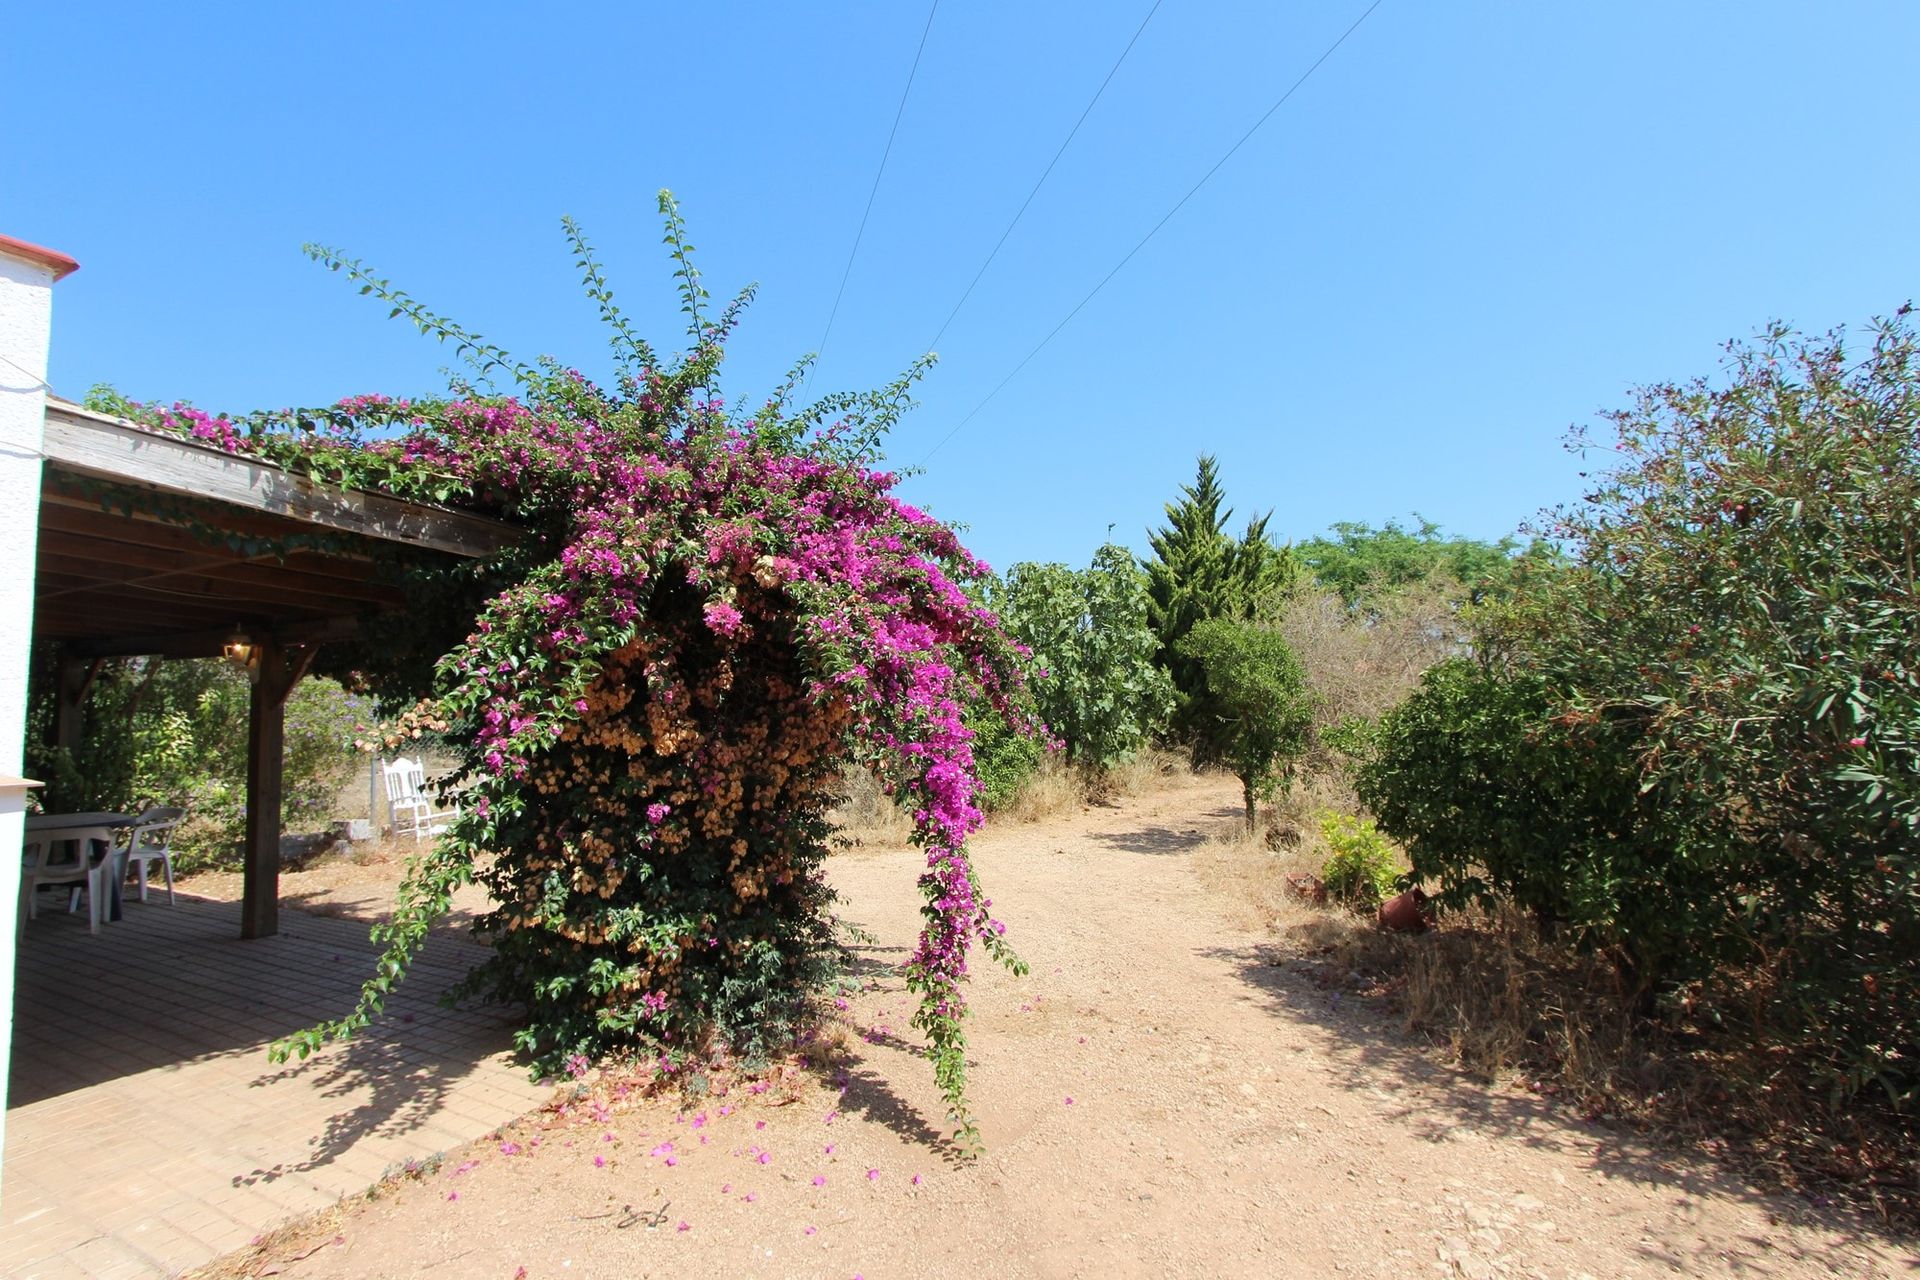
[715, 616]
[1701, 740]
[1007, 760]
[175, 732]
[1494, 800]
[1362, 871]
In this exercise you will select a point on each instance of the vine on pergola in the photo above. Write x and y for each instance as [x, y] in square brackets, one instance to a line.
[710, 617]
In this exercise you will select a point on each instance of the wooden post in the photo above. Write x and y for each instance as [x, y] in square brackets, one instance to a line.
[266, 743]
[73, 681]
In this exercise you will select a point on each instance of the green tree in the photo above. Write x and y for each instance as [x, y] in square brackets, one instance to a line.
[1098, 686]
[1198, 572]
[1358, 560]
[1253, 707]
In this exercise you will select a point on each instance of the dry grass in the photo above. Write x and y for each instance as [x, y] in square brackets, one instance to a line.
[867, 815]
[1053, 790]
[1260, 875]
[1503, 998]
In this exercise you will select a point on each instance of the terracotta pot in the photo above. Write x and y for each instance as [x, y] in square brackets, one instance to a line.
[1406, 913]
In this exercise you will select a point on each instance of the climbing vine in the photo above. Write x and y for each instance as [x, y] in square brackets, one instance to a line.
[710, 615]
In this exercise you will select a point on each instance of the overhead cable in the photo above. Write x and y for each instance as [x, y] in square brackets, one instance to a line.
[878, 174]
[1044, 175]
[1166, 218]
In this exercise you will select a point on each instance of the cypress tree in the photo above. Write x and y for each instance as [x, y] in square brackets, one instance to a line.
[1198, 572]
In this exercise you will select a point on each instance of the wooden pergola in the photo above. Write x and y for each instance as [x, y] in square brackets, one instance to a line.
[154, 544]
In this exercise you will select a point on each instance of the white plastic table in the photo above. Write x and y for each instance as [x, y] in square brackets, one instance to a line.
[56, 826]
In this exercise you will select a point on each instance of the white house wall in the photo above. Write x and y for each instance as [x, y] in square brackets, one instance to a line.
[26, 316]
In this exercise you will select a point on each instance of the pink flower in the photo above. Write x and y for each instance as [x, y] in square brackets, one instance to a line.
[765, 1157]
[873, 1175]
[722, 618]
[657, 812]
[599, 1162]
[453, 1195]
[807, 1231]
[916, 1179]
[1856, 742]
[819, 1180]
[1069, 1101]
[509, 1148]
[685, 1226]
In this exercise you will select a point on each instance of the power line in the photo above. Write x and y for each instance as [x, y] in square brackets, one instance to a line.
[1168, 217]
[1043, 177]
[878, 174]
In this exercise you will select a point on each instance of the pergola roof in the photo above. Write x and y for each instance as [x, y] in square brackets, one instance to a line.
[120, 577]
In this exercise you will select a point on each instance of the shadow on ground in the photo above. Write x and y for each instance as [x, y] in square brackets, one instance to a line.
[1365, 1044]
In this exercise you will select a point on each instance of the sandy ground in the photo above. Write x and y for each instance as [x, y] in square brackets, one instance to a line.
[1165, 1095]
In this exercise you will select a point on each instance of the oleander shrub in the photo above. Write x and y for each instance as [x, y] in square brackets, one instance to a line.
[1699, 741]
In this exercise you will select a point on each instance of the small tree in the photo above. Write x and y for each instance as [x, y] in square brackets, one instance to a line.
[1099, 688]
[1253, 708]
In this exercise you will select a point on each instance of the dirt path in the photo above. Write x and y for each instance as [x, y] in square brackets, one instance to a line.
[1158, 1099]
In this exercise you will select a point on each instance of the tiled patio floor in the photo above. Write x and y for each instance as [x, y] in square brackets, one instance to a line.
[147, 1133]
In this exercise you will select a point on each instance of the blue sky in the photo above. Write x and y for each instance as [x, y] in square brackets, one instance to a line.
[1474, 226]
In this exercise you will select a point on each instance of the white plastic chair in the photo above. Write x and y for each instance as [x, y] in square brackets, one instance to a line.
[150, 840]
[413, 809]
[45, 861]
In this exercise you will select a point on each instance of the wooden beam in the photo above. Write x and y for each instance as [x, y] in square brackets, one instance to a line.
[208, 642]
[230, 580]
[266, 767]
[71, 524]
[93, 444]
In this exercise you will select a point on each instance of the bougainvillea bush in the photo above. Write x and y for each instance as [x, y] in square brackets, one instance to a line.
[711, 614]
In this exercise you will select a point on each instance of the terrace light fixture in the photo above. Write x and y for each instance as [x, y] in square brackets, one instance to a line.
[242, 652]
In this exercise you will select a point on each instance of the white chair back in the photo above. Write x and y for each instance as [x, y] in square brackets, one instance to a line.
[406, 779]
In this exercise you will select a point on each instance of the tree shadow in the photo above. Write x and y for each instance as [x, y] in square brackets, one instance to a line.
[1365, 1043]
[408, 1089]
[1164, 838]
